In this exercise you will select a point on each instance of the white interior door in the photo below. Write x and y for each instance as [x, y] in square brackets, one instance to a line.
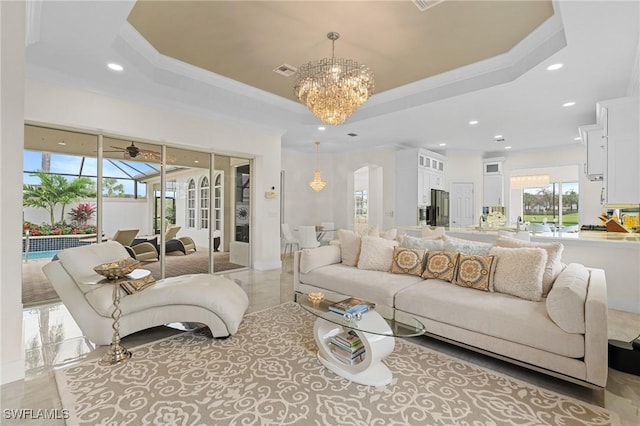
[462, 204]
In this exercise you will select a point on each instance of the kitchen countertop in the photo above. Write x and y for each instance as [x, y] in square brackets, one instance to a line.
[590, 236]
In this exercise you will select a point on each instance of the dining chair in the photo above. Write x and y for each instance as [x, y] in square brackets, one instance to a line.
[289, 239]
[328, 232]
[308, 237]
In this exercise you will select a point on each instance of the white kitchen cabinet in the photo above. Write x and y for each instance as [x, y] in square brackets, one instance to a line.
[595, 151]
[492, 182]
[417, 172]
[621, 130]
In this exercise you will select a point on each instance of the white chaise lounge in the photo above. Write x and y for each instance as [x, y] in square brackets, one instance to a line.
[213, 300]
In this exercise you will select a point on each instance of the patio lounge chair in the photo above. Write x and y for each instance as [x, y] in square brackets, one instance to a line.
[142, 251]
[175, 243]
[212, 300]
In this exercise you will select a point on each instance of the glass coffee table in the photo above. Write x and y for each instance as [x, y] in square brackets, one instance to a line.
[377, 329]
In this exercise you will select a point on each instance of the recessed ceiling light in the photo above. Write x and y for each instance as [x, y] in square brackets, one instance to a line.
[353, 135]
[507, 147]
[321, 128]
[554, 67]
[498, 137]
[443, 144]
[568, 104]
[63, 143]
[577, 139]
[196, 161]
[473, 122]
[115, 67]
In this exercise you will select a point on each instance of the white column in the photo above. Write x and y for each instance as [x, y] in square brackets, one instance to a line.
[12, 48]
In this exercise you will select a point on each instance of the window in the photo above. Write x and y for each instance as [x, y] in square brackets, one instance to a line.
[191, 204]
[217, 203]
[204, 203]
[361, 206]
[556, 204]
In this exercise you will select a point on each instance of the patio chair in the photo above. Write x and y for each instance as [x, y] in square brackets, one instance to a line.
[175, 243]
[144, 251]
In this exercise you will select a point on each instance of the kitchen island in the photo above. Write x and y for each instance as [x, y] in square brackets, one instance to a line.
[615, 252]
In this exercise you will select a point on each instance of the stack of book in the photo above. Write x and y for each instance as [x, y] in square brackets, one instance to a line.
[347, 347]
[352, 305]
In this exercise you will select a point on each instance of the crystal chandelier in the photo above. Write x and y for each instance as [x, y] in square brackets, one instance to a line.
[333, 88]
[317, 184]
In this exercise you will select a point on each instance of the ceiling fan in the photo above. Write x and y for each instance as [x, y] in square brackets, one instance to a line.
[132, 151]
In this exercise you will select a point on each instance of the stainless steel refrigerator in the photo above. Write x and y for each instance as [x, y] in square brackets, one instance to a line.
[438, 211]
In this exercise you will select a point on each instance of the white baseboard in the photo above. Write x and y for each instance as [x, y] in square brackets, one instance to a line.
[12, 371]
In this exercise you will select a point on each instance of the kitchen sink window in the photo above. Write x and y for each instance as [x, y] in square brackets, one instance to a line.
[555, 205]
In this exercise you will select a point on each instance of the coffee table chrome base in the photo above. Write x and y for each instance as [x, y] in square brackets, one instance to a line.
[370, 371]
[115, 355]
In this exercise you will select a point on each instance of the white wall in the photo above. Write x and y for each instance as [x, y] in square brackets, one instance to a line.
[303, 206]
[12, 27]
[57, 105]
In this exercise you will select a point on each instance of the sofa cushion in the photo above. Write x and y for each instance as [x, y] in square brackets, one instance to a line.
[376, 254]
[389, 234]
[349, 247]
[441, 264]
[80, 261]
[321, 256]
[493, 314]
[475, 272]
[407, 261]
[519, 271]
[370, 285]
[466, 246]
[565, 302]
[553, 266]
[421, 243]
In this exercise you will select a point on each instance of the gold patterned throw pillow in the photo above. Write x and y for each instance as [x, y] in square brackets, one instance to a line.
[407, 261]
[475, 272]
[441, 264]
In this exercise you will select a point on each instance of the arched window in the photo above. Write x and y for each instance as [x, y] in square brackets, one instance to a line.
[217, 203]
[191, 204]
[205, 203]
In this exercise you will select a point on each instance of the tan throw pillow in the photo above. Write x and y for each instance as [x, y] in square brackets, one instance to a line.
[565, 302]
[441, 264]
[349, 247]
[407, 261]
[475, 272]
[376, 254]
[553, 267]
[519, 271]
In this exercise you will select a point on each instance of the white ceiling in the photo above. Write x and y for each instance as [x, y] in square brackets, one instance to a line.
[512, 94]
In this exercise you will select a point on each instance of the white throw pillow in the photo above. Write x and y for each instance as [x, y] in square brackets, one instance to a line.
[376, 254]
[391, 234]
[349, 247]
[519, 271]
[565, 302]
[311, 259]
[520, 235]
[554, 254]
[407, 241]
[476, 248]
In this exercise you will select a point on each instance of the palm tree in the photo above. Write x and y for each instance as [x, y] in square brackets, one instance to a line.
[54, 190]
[111, 187]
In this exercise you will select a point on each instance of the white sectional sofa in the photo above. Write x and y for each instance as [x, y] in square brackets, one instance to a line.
[564, 334]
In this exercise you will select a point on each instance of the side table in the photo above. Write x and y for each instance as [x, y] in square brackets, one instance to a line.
[118, 353]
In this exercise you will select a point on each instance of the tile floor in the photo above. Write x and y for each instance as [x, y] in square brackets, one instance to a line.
[53, 340]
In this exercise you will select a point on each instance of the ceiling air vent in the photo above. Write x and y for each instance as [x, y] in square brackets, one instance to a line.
[286, 70]
[423, 5]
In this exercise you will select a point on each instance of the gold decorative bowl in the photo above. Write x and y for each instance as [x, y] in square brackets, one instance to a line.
[117, 269]
[315, 297]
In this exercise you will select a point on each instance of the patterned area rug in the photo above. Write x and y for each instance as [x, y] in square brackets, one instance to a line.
[268, 373]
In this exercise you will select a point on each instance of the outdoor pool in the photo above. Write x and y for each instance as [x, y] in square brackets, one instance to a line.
[48, 254]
